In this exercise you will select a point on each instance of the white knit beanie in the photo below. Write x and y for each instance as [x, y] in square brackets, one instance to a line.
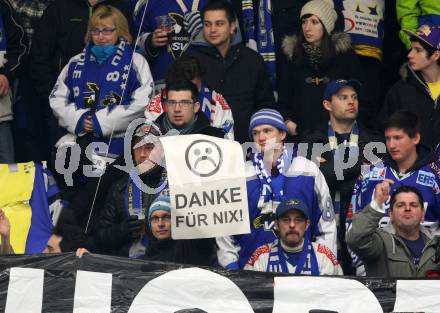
[324, 10]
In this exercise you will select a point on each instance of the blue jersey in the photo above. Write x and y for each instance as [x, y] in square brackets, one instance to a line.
[180, 39]
[426, 179]
[303, 181]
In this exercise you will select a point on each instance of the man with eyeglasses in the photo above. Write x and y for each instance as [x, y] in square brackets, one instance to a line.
[162, 247]
[293, 251]
[183, 111]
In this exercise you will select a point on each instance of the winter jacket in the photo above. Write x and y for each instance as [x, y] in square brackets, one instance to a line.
[60, 36]
[241, 77]
[412, 94]
[413, 13]
[11, 62]
[199, 252]
[343, 187]
[112, 236]
[301, 86]
[383, 250]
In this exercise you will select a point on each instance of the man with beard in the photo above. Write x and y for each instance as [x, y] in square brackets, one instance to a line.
[276, 173]
[293, 252]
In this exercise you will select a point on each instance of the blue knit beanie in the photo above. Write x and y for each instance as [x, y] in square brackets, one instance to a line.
[267, 116]
[162, 202]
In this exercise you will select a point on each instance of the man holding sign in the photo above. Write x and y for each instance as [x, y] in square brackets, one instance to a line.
[275, 174]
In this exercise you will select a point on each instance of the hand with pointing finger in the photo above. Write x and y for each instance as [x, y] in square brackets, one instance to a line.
[382, 191]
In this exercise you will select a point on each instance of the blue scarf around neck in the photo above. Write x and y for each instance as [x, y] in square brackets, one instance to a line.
[306, 262]
[272, 187]
[102, 53]
[103, 88]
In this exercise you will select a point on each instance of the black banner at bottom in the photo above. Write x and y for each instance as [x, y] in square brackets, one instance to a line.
[97, 283]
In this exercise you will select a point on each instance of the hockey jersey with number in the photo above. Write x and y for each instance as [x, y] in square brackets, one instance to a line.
[303, 181]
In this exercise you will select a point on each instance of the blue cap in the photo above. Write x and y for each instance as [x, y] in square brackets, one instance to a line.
[335, 85]
[292, 204]
[267, 116]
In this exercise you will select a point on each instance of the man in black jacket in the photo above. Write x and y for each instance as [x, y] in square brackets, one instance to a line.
[119, 232]
[235, 71]
[342, 132]
[419, 90]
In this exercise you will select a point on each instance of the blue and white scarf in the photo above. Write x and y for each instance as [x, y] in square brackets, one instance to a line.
[262, 38]
[272, 188]
[305, 262]
[104, 88]
[133, 203]
[352, 145]
[2, 43]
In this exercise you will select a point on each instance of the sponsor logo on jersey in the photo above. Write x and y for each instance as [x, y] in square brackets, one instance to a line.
[425, 179]
[378, 173]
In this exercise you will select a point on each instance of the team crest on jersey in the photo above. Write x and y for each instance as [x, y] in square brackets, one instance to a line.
[378, 173]
[180, 39]
[425, 179]
[265, 221]
[111, 99]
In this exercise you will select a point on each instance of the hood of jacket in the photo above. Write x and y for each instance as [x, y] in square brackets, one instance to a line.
[341, 40]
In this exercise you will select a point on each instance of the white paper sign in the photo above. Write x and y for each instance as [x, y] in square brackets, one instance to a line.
[207, 184]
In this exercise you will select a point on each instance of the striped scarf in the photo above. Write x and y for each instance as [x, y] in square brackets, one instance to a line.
[272, 188]
[260, 39]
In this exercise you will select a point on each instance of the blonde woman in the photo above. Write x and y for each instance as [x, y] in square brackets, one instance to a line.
[104, 88]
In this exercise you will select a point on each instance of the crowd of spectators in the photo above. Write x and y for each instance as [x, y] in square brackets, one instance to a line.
[286, 76]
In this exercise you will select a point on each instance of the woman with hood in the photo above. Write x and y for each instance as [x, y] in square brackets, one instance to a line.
[315, 57]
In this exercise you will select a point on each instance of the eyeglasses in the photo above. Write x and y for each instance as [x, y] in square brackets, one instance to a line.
[105, 31]
[157, 219]
[183, 103]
